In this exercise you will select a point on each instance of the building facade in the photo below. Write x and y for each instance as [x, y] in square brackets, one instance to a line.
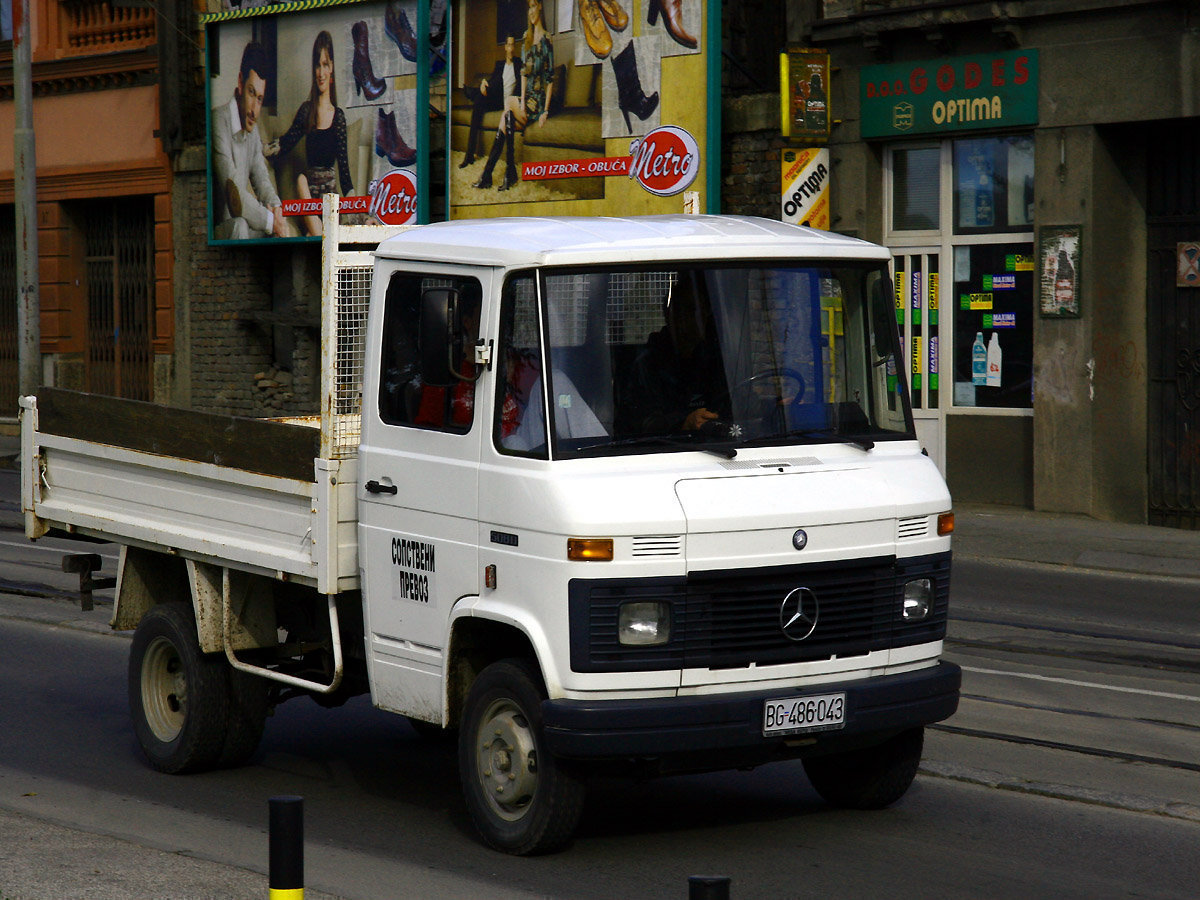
[1033, 167]
[105, 231]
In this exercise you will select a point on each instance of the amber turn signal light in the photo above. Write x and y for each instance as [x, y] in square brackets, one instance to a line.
[590, 549]
[945, 523]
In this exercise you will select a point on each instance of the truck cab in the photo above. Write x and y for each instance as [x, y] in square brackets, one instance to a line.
[647, 493]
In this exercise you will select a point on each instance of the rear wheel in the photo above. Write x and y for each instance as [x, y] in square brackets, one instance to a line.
[178, 696]
[871, 777]
[518, 795]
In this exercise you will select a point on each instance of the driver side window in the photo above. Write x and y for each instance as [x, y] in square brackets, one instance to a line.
[404, 399]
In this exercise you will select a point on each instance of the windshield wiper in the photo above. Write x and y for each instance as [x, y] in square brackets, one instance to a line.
[830, 437]
[661, 440]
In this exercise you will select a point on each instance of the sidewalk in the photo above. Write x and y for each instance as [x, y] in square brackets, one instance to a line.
[1005, 533]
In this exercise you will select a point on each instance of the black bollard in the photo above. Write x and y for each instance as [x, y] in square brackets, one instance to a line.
[287, 848]
[708, 887]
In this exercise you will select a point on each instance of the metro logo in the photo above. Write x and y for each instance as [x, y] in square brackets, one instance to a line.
[666, 161]
[394, 198]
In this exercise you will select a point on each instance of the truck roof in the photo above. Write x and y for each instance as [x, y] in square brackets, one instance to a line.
[516, 242]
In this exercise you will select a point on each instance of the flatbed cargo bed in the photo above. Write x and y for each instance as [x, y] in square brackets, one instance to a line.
[242, 492]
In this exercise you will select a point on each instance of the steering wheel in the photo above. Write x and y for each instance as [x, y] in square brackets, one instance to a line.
[781, 374]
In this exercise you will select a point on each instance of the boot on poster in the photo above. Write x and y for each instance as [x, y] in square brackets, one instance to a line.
[364, 76]
[389, 143]
[485, 180]
[630, 97]
[672, 15]
[511, 179]
[397, 27]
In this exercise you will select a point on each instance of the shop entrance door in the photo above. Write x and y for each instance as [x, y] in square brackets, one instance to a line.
[1173, 320]
[916, 276]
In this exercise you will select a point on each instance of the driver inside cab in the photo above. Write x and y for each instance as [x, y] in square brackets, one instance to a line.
[677, 381]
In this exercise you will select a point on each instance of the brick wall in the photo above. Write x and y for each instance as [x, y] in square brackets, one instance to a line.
[750, 146]
[231, 363]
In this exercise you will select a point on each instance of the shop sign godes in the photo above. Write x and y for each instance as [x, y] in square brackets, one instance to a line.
[956, 94]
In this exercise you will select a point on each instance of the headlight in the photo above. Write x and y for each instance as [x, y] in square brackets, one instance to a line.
[644, 623]
[918, 599]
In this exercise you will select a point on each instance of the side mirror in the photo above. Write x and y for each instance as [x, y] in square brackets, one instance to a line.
[439, 320]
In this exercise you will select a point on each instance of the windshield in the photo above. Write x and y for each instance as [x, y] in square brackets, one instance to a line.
[701, 357]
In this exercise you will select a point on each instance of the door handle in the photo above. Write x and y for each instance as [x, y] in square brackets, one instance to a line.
[374, 487]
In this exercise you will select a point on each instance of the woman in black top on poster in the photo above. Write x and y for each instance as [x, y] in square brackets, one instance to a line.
[322, 121]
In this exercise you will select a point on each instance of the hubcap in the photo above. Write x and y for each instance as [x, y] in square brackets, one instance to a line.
[506, 759]
[164, 690]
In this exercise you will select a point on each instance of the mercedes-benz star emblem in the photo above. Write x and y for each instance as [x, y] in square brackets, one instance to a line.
[800, 539]
[798, 614]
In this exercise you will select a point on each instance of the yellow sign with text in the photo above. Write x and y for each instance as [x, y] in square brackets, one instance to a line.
[805, 180]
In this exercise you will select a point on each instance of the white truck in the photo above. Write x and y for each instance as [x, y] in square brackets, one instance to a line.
[599, 494]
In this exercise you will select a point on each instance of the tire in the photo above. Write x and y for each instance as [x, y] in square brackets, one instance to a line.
[871, 777]
[178, 697]
[519, 797]
[246, 716]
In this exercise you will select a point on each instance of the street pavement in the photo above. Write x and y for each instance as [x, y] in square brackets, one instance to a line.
[50, 860]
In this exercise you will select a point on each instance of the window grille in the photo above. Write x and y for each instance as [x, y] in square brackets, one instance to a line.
[353, 296]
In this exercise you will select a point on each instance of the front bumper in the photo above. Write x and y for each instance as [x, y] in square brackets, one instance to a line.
[718, 731]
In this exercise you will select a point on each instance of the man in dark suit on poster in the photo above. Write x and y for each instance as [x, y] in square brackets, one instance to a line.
[505, 81]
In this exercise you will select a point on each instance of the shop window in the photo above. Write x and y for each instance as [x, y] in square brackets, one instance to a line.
[993, 325]
[993, 184]
[916, 188]
[984, 242]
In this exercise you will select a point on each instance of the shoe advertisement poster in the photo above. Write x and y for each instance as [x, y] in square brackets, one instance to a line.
[578, 107]
[310, 102]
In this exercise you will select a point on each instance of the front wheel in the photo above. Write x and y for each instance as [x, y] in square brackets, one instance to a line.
[871, 777]
[178, 696]
[518, 795]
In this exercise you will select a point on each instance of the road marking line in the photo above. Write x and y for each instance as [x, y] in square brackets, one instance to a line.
[1090, 684]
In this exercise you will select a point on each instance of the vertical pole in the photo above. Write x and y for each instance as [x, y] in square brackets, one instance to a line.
[424, 71]
[708, 887]
[287, 848]
[29, 338]
[331, 224]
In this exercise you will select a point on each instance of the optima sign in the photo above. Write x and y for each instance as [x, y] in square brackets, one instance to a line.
[957, 94]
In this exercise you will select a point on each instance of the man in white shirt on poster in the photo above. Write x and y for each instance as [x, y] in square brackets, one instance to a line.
[245, 202]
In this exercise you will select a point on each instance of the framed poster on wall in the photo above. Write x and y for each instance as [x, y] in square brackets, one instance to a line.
[310, 98]
[583, 108]
[1058, 267]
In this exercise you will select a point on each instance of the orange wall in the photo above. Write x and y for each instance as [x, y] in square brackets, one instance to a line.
[93, 128]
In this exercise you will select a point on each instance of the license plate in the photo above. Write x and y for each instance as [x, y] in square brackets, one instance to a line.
[796, 715]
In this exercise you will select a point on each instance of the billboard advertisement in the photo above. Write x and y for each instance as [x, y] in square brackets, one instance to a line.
[308, 102]
[535, 107]
[581, 107]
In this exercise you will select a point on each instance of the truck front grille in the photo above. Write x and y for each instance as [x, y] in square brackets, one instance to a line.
[731, 619]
